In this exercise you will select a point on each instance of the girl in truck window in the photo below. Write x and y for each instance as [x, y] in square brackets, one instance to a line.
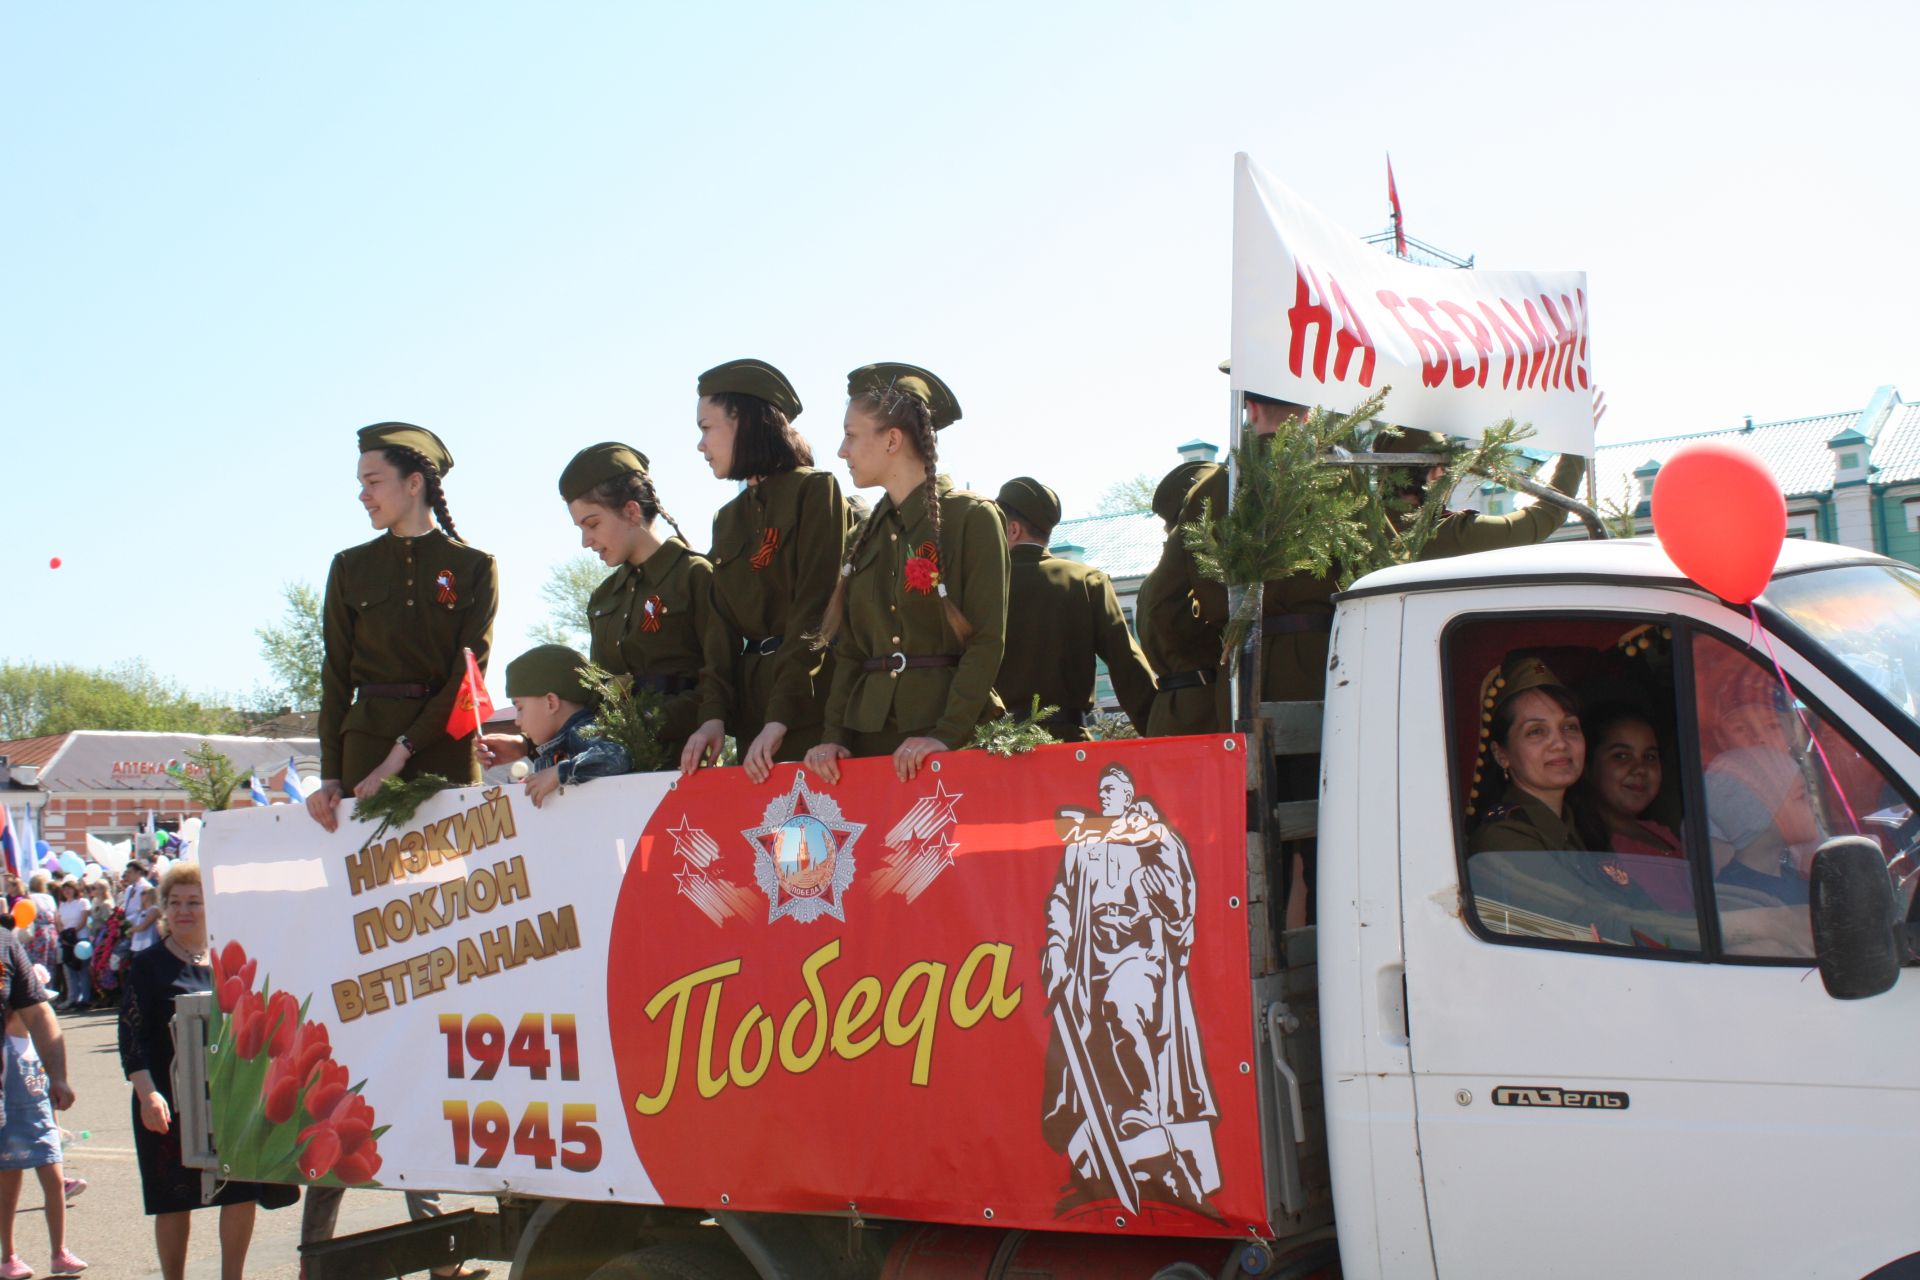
[919, 616]
[1612, 803]
[1533, 732]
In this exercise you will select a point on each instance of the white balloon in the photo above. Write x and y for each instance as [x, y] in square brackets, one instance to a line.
[518, 770]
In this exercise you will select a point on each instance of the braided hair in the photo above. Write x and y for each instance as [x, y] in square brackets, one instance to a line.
[633, 486]
[913, 417]
[408, 463]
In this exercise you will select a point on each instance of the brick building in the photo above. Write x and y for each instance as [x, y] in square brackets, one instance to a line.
[109, 783]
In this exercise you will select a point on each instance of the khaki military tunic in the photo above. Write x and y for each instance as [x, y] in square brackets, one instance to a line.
[398, 612]
[873, 711]
[1061, 614]
[1182, 614]
[1522, 821]
[777, 550]
[656, 622]
[1465, 532]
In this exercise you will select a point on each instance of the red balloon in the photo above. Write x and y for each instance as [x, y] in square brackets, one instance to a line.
[54, 563]
[1720, 515]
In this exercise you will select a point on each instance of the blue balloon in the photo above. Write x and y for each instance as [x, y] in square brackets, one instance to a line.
[42, 848]
[83, 950]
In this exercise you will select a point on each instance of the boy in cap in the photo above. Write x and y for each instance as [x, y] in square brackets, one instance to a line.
[553, 708]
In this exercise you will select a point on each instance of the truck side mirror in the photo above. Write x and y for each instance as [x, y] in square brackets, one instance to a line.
[1856, 932]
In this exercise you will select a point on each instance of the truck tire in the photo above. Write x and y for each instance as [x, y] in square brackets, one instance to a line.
[677, 1262]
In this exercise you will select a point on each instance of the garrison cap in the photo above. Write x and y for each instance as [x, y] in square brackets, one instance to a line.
[752, 378]
[912, 379]
[1411, 441]
[1170, 495]
[1030, 502]
[548, 668]
[597, 464]
[1513, 677]
[404, 435]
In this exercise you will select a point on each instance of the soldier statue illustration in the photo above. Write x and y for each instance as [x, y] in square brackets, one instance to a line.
[1127, 1098]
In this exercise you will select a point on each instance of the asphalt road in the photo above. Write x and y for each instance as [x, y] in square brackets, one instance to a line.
[107, 1225]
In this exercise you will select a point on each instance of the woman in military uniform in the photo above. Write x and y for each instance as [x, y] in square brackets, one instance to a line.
[653, 618]
[1530, 728]
[919, 615]
[399, 612]
[777, 548]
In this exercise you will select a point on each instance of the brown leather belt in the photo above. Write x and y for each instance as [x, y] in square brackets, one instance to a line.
[1187, 680]
[415, 690]
[665, 686]
[1296, 623]
[897, 662]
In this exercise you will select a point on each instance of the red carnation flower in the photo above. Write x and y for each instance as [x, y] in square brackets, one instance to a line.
[232, 975]
[923, 574]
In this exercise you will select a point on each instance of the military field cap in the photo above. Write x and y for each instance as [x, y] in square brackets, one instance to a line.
[1030, 502]
[1170, 495]
[912, 379]
[404, 435]
[597, 464]
[1515, 675]
[548, 668]
[1410, 441]
[752, 378]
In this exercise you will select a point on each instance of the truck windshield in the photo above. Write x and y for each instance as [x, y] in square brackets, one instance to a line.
[1869, 617]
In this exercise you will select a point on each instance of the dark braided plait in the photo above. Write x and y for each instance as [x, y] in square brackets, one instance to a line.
[637, 487]
[409, 463]
[912, 416]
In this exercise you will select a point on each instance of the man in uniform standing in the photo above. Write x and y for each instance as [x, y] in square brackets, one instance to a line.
[1181, 613]
[1061, 614]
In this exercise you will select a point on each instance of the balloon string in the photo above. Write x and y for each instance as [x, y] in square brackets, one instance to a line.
[1800, 713]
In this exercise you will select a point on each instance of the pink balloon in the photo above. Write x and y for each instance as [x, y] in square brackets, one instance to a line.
[1721, 516]
[54, 563]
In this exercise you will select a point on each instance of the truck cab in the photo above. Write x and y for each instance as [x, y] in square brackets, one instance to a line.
[1573, 1062]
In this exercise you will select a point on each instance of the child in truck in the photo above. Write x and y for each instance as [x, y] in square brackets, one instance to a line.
[554, 708]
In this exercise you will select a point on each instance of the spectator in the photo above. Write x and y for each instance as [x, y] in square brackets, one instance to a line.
[29, 1139]
[141, 906]
[43, 935]
[72, 917]
[172, 1191]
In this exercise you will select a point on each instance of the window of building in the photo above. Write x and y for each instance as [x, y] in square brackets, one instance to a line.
[1601, 812]
[1848, 461]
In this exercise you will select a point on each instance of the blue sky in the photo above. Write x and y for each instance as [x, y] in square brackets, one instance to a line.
[236, 233]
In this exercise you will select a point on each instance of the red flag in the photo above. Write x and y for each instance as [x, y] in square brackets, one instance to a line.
[1399, 228]
[471, 706]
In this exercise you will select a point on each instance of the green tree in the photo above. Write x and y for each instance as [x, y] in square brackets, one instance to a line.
[293, 649]
[565, 591]
[44, 698]
[1135, 493]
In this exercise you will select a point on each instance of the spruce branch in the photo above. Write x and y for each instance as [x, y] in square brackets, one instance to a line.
[1009, 737]
[630, 716]
[397, 800]
[209, 777]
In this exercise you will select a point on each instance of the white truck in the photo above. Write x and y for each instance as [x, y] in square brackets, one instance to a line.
[1472, 1064]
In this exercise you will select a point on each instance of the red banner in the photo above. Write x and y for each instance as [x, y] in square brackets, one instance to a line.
[1010, 991]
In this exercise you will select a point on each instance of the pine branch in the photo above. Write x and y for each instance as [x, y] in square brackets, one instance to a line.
[397, 800]
[1009, 737]
[630, 716]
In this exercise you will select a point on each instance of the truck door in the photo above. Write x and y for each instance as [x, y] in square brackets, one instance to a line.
[1624, 1061]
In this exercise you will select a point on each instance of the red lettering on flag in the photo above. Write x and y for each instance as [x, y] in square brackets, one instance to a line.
[1338, 324]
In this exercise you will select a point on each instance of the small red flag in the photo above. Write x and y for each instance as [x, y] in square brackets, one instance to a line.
[471, 706]
[1399, 227]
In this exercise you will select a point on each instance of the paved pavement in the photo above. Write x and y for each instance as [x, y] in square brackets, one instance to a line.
[107, 1225]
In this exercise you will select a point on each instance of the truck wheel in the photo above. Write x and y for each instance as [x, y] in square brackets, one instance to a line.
[676, 1262]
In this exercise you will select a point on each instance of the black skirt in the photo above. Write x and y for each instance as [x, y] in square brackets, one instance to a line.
[170, 1187]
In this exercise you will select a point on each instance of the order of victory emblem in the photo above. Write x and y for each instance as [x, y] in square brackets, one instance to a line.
[803, 854]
